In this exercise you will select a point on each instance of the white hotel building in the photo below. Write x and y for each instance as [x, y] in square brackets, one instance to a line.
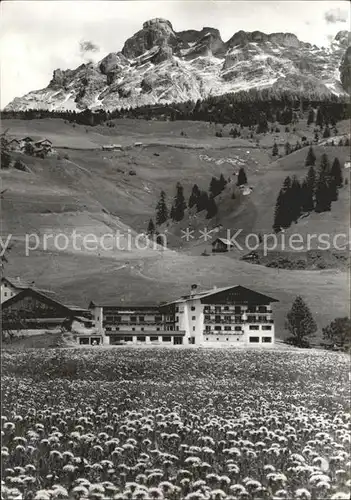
[230, 315]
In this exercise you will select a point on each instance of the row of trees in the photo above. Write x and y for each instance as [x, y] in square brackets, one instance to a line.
[301, 325]
[316, 192]
[253, 107]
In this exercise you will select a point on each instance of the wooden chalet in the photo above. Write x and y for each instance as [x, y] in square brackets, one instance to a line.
[31, 309]
[222, 245]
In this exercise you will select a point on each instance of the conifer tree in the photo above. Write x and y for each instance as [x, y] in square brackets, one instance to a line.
[324, 165]
[319, 118]
[310, 158]
[336, 172]
[275, 150]
[161, 209]
[222, 183]
[278, 222]
[287, 148]
[295, 196]
[211, 208]
[308, 190]
[323, 195]
[214, 187]
[202, 202]
[195, 193]
[242, 179]
[300, 322]
[151, 228]
[179, 205]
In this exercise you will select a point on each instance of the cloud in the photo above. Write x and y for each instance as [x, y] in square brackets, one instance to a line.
[333, 16]
[88, 46]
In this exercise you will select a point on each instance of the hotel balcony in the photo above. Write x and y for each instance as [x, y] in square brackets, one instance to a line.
[237, 321]
[107, 322]
[222, 332]
[152, 333]
[234, 309]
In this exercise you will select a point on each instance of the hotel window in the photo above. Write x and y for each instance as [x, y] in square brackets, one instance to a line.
[193, 318]
[158, 319]
[227, 328]
[193, 328]
[192, 308]
[254, 327]
[141, 318]
[5, 294]
[251, 319]
[254, 340]
[108, 328]
[177, 309]
[262, 309]
[128, 339]
[206, 309]
[153, 339]
[227, 339]
[133, 329]
[118, 319]
[217, 338]
[218, 327]
[207, 338]
[237, 309]
[207, 328]
[237, 328]
[262, 318]
[226, 308]
[142, 328]
[266, 327]
[157, 329]
[218, 309]
[117, 328]
[227, 318]
[167, 339]
[141, 339]
[133, 319]
[267, 340]
[217, 319]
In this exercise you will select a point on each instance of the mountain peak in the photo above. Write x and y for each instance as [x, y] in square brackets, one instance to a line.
[160, 65]
[155, 32]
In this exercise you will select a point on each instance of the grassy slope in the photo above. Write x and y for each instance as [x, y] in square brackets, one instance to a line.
[93, 192]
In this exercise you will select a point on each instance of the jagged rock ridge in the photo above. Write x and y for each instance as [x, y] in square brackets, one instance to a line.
[160, 65]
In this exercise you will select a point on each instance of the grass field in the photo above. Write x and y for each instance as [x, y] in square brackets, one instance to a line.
[171, 424]
[93, 192]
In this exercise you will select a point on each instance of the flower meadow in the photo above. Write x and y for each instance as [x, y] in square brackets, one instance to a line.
[176, 424]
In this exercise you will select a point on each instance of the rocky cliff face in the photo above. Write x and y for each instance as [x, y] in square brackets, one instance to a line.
[160, 65]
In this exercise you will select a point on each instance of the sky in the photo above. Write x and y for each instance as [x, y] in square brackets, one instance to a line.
[37, 37]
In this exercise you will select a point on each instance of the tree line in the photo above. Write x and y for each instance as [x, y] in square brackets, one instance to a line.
[255, 107]
[316, 192]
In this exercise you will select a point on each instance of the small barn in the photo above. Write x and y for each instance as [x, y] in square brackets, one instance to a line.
[221, 245]
[44, 144]
[14, 145]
